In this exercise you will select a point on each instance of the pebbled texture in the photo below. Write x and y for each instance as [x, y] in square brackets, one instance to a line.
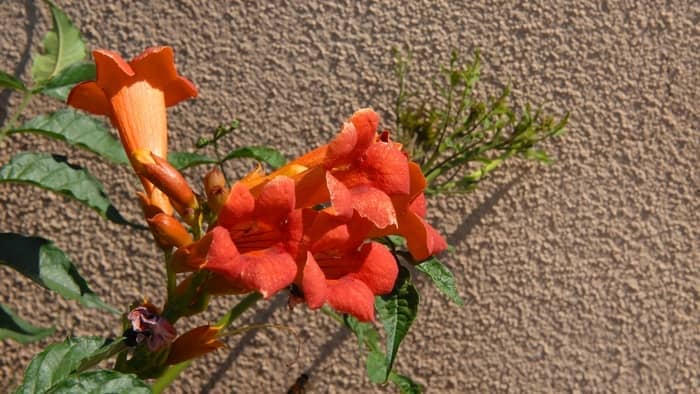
[583, 276]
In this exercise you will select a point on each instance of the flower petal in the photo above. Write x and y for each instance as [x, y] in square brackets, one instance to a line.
[387, 168]
[222, 253]
[276, 200]
[112, 71]
[267, 271]
[366, 122]
[378, 269]
[238, 208]
[374, 205]
[349, 295]
[90, 97]
[340, 196]
[313, 283]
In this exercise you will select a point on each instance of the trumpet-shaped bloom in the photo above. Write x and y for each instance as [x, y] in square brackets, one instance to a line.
[134, 96]
[255, 240]
[340, 268]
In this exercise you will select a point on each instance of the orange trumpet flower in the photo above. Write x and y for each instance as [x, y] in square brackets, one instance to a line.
[134, 96]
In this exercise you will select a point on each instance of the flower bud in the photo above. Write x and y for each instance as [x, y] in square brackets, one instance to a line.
[169, 231]
[215, 187]
[194, 343]
[165, 177]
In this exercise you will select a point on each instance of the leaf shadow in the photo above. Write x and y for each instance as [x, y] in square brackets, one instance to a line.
[32, 21]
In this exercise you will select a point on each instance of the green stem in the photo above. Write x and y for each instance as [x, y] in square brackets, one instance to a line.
[11, 123]
[237, 310]
[174, 371]
[169, 376]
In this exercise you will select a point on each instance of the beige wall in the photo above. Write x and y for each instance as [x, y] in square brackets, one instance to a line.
[583, 275]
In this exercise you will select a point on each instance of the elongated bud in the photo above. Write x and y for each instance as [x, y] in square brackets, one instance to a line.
[165, 177]
[194, 343]
[192, 256]
[215, 187]
[149, 209]
[169, 231]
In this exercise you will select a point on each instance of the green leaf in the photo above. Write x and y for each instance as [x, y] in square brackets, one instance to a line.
[261, 153]
[60, 86]
[12, 327]
[376, 367]
[62, 47]
[102, 381]
[54, 174]
[41, 261]
[405, 384]
[184, 160]
[9, 81]
[366, 334]
[442, 277]
[78, 129]
[397, 311]
[50, 369]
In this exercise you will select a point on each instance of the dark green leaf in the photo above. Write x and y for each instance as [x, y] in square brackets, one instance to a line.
[396, 312]
[261, 153]
[405, 384]
[102, 381]
[9, 81]
[183, 160]
[60, 86]
[56, 362]
[376, 366]
[12, 327]
[44, 263]
[78, 129]
[442, 277]
[62, 47]
[53, 173]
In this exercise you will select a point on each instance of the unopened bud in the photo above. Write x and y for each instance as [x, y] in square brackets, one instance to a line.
[169, 231]
[165, 177]
[215, 187]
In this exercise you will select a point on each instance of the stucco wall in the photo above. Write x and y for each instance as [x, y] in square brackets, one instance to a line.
[580, 276]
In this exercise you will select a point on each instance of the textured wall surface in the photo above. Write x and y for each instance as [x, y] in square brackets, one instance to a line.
[580, 276]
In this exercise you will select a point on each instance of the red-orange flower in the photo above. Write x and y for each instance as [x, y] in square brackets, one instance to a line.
[255, 240]
[340, 268]
[134, 95]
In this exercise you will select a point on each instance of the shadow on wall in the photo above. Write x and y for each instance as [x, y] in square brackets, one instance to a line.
[32, 20]
[461, 233]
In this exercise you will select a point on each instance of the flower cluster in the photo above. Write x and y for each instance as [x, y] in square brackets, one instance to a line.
[308, 226]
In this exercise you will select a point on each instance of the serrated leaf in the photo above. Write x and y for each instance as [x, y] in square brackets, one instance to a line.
[60, 86]
[58, 361]
[405, 384]
[9, 81]
[442, 277]
[54, 174]
[62, 47]
[103, 381]
[265, 154]
[184, 160]
[78, 129]
[397, 311]
[13, 327]
[41, 261]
